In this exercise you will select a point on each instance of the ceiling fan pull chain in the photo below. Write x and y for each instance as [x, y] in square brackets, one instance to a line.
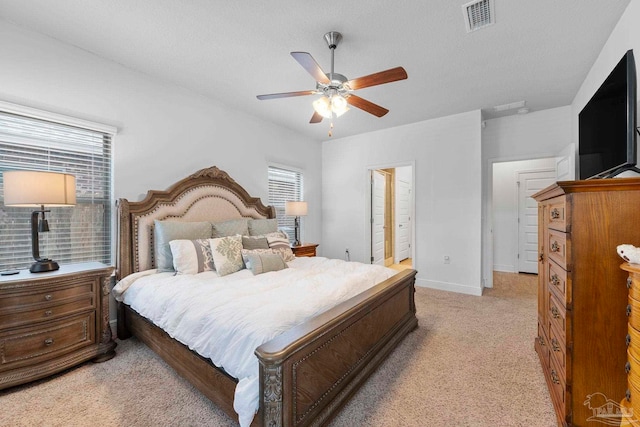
[331, 129]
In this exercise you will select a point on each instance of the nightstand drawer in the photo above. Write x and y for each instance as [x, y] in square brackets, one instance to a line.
[13, 300]
[45, 312]
[304, 249]
[26, 346]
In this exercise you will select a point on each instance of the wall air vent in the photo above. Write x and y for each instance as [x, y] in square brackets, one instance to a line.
[478, 14]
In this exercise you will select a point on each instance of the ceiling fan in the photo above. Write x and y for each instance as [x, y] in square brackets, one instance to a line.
[336, 89]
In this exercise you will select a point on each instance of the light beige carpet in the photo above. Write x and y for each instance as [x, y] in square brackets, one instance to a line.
[470, 363]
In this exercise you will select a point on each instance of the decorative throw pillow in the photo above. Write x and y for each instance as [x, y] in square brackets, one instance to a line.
[263, 263]
[258, 227]
[281, 245]
[191, 256]
[227, 254]
[230, 228]
[166, 231]
[254, 242]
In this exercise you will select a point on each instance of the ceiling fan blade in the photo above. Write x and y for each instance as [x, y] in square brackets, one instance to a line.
[382, 77]
[316, 118]
[367, 106]
[286, 94]
[308, 63]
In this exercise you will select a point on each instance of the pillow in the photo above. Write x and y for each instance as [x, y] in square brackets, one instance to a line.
[227, 254]
[230, 228]
[166, 231]
[263, 263]
[262, 226]
[254, 242]
[191, 256]
[281, 245]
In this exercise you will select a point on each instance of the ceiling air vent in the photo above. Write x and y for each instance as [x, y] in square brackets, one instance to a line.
[478, 14]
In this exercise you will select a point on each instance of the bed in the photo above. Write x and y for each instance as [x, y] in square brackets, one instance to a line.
[307, 373]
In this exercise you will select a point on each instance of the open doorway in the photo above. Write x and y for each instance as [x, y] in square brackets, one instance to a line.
[391, 217]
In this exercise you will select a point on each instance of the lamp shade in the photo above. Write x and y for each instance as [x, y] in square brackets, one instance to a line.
[37, 188]
[295, 208]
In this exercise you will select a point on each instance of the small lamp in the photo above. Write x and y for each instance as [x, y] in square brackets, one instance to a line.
[296, 209]
[37, 189]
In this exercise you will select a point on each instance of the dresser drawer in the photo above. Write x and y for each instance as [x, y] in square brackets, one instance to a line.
[557, 349]
[26, 346]
[633, 312]
[558, 390]
[633, 284]
[543, 345]
[557, 248]
[557, 214]
[9, 301]
[557, 317]
[633, 342]
[44, 312]
[557, 278]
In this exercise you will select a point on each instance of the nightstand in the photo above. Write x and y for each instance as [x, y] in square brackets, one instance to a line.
[304, 249]
[52, 321]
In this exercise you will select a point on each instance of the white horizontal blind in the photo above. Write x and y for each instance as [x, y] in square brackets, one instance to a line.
[79, 233]
[284, 186]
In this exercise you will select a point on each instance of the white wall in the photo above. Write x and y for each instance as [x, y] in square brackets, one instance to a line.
[536, 135]
[625, 36]
[505, 210]
[165, 132]
[447, 187]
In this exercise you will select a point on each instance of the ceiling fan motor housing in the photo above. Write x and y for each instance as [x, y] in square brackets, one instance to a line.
[333, 39]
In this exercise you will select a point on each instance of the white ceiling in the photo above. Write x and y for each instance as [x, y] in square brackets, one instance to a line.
[539, 51]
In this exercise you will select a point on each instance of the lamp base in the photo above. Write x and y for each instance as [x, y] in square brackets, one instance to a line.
[43, 265]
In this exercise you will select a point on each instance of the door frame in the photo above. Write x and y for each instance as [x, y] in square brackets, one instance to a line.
[366, 223]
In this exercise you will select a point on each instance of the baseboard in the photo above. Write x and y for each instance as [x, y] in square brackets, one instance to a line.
[504, 268]
[451, 287]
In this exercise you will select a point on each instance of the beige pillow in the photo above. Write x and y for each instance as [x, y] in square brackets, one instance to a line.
[227, 254]
[191, 256]
[263, 263]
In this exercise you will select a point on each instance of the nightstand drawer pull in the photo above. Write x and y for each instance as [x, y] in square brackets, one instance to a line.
[627, 367]
[48, 297]
[555, 345]
[628, 340]
[48, 341]
[554, 377]
[629, 282]
[627, 394]
[541, 341]
[555, 213]
[555, 312]
[555, 247]
[48, 313]
[628, 310]
[541, 257]
[555, 280]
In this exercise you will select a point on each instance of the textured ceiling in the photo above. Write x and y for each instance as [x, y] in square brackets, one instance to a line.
[538, 51]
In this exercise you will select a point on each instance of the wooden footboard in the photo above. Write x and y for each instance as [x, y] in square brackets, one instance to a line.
[308, 373]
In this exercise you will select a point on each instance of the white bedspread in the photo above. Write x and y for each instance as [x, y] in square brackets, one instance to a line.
[227, 318]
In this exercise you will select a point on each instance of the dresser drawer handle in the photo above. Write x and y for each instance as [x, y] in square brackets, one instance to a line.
[554, 377]
[48, 297]
[541, 341]
[628, 310]
[629, 282]
[627, 367]
[555, 312]
[555, 280]
[48, 341]
[628, 340]
[555, 345]
[555, 247]
[48, 313]
[555, 213]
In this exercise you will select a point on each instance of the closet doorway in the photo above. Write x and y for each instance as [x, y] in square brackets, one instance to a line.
[391, 216]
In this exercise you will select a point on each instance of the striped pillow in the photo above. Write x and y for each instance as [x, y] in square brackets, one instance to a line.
[191, 256]
[280, 244]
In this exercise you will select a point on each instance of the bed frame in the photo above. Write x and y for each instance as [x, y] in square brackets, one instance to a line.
[306, 374]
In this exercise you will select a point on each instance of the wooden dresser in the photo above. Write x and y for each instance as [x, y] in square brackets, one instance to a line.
[304, 249]
[632, 400]
[52, 321]
[582, 322]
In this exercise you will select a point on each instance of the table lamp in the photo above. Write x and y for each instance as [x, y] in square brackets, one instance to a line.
[37, 189]
[296, 209]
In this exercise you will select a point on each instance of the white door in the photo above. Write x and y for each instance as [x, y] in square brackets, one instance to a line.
[528, 184]
[378, 182]
[403, 220]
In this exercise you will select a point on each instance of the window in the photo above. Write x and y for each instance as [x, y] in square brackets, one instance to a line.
[36, 140]
[285, 185]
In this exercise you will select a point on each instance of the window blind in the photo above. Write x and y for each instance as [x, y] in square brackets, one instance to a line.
[284, 186]
[79, 233]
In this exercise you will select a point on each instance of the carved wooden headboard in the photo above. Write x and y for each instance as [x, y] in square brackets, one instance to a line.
[208, 195]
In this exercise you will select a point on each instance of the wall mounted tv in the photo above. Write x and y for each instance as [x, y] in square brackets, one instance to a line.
[607, 125]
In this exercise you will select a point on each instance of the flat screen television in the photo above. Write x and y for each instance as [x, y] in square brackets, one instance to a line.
[607, 125]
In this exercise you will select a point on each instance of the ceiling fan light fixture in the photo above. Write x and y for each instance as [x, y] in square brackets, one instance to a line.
[339, 105]
[322, 106]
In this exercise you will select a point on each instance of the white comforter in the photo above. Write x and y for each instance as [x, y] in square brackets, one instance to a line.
[227, 318]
